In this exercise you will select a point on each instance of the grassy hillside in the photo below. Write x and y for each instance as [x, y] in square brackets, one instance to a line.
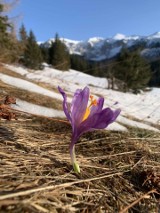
[120, 171]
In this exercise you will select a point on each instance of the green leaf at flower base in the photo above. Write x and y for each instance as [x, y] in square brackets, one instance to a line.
[76, 168]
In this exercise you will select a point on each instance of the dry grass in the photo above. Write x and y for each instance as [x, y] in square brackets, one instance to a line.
[25, 95]
[118, 170]
[29, 96]
[10, 72]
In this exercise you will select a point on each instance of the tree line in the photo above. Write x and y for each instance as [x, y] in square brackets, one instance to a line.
[129, 70]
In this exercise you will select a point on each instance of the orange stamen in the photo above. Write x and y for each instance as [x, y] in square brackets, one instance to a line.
[93, 102]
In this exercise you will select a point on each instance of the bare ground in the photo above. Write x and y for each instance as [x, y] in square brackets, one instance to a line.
[120, 172]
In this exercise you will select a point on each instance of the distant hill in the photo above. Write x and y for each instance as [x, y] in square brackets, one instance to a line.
[98, 49]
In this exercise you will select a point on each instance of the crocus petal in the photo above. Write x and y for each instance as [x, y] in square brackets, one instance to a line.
[65, 104]
[98, 120]
[77, 92]
[103, 119]
[100, 102]
[79, 106]
[115, 115]
[97, 108]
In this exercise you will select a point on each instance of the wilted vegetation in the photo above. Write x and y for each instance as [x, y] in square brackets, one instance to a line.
[120, 172]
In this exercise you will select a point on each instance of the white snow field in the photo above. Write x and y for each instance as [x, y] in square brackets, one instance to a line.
[141, 110]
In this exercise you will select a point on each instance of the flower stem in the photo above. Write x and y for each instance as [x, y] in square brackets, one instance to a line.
[73, 160]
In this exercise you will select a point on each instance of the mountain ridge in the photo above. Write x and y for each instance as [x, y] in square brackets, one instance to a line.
[98, 48]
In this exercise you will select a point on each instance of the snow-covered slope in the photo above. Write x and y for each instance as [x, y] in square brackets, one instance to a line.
[98, 48]
[142, 110]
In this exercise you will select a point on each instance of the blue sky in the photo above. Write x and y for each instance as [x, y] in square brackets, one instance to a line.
[83, 19]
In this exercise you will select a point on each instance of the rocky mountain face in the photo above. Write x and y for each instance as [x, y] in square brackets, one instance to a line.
[97, 49]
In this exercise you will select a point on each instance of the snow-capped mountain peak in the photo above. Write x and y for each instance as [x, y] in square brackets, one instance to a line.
[119, 36]
[154, 35]
[98, 48]
[95, 39]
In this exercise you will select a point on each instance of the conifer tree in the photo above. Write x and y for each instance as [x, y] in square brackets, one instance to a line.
[8, 42]
[32, 53]
[155, 79]
[23, 35]
[3, 21]
[78, 63]
[132, 69]
[58, 55]
[23, 38]
[45, 53]
[4, 36]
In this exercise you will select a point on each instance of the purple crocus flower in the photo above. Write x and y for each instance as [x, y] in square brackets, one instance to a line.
[85, 114]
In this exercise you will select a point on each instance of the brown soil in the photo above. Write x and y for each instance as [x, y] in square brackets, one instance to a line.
[120, 172]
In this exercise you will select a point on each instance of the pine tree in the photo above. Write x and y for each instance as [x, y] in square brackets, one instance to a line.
[23, 35]
[4, 36]
[58, 55]
[132, 69]
[45, 53]
[32, 53]
[8, 42]
[78, 63]
[23, 39]
[155, 79]
[3, 21]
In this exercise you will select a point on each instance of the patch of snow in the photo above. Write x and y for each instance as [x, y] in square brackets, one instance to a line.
[116, 127]
[144, 106]
[26, 85]
[136, 124]
[153, 36]
[119, 36]
[96, 41]
[18, 69]
[27, 107]
[69, 41]
[133, 37]
[72, 76]
[36, 109]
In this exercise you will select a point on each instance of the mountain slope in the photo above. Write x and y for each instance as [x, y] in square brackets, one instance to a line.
[141, 111]
[119, 170]
[98, 49]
